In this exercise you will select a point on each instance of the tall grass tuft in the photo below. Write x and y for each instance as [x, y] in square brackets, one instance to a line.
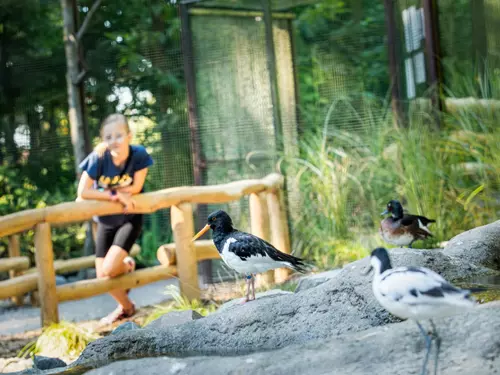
[61, 340]
[347, 177]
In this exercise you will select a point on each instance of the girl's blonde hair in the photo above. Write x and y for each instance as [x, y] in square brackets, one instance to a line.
[115, 118]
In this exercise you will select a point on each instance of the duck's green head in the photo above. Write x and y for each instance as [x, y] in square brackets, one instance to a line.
[394, 208]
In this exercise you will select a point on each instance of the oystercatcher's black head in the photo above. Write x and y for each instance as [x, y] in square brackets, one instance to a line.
[379, 261]
[217, 221]
[395, 209]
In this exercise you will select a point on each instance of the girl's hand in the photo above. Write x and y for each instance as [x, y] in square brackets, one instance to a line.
[126, 200]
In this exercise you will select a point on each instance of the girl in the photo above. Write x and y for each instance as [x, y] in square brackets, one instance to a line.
[115, 171]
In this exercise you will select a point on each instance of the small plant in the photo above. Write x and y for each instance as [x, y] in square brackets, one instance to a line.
[62, 339]
[179, 303]
[288, 286]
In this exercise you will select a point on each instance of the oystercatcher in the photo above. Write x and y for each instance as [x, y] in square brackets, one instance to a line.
[245, 253]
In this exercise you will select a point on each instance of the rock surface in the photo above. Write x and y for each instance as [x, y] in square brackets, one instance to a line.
[172, 319]
[392, 349]
[46, 363]
[312, 281]
[127, 326]
[235, 303]
[305, 322]
[481, 246]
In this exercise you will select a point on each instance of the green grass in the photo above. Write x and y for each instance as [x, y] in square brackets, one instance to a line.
[347, 177]
[179, 303]
[63, 339]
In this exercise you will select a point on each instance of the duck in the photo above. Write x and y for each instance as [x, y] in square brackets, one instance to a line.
[246, 253]
[417, 293]
[403, 229]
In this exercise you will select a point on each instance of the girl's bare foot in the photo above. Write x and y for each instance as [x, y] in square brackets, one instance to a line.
[118, 314]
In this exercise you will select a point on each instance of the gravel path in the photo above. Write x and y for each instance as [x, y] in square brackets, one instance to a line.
[15, 319]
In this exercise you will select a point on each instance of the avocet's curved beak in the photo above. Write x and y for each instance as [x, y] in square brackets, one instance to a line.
[367, 271]
[384, 213]
[201, 232]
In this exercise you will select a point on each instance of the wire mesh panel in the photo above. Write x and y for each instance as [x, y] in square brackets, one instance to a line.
[234, 101]
[132, 53]
[492, 26]
[469, 47]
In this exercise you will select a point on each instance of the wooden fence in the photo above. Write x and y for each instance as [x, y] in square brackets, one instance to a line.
[268, 220]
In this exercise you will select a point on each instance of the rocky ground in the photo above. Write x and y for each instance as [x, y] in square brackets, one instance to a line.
[331, 324]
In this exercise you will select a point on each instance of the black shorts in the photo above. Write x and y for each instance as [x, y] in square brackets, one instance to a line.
[123, 236]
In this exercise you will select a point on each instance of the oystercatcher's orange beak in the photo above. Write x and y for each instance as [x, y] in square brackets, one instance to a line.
[201, 232]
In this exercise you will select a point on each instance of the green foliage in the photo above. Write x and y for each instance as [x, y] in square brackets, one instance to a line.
[180, 303]
[130, 48]
[347, 178]
[18, 192]
[153, 238]
[63, 339]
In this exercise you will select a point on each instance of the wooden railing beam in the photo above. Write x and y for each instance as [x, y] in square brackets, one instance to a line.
[187, 266]
[15, 253]
[185, 257]
[280, 237]
[47, 276]
[71, 212]
[204, 249]
[94, 287]
[259, 223]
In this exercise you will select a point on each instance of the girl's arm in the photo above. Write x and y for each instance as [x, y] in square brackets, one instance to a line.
[136, 187]
[86, 190]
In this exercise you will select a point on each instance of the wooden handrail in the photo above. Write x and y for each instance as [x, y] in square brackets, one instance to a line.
[94, 287]
[14, 264]
[71, 212]
[183, 262]
[62, 266]
[205, 249]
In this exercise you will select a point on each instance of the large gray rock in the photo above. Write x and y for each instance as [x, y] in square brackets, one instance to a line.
[344, 304]
[125, 327]
[471, 345]
[312, 281]
[173, 318]
[46, 363]
[480, 246]
[238, 301]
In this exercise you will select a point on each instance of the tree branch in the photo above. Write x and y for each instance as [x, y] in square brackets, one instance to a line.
[86, 21]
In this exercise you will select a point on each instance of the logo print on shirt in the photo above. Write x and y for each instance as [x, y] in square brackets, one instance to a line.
[109, 182]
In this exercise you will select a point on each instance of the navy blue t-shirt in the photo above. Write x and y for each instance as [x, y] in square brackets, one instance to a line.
[109, 176]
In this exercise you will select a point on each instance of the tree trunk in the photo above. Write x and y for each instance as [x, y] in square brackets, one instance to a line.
[75, 100]
[8, 96]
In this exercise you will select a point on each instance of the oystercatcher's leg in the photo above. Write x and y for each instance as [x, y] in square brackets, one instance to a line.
[248, 280]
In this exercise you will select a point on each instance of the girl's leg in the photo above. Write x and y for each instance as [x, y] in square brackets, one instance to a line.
[113, 265]
[110, 263]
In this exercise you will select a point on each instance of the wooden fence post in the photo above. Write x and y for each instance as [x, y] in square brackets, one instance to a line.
[259, 223]
[15, 251]
[187, 266]
[44, 255]
[280, 236]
